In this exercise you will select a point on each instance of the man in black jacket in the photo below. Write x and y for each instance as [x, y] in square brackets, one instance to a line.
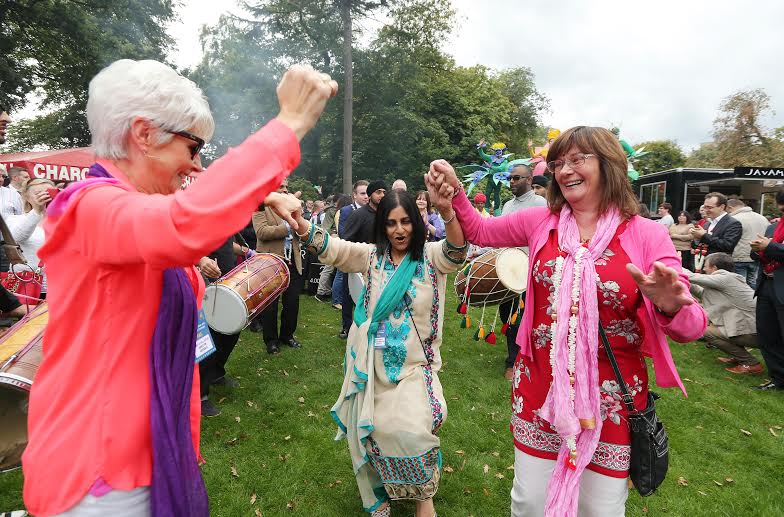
[359, 227]
[724, 231]
[770, 301]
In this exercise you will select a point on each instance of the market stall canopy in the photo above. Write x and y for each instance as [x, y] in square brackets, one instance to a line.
[59, 165]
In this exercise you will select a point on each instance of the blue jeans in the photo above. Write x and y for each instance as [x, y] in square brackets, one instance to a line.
[748, 270]
[337, 287]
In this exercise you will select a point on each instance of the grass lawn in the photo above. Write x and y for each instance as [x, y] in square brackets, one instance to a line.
[272, 452]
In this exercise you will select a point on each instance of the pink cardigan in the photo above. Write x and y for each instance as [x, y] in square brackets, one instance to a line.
[105, 256]
[644, 241]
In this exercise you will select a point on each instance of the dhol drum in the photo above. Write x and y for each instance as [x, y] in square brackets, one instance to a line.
[493, 277]
[231, 303]
[20, 356]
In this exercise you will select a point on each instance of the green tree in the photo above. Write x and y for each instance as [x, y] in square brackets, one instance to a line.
[54, 48]
[740, 137]
[411, 103]
[705, 156]
[663, 155]
[520, 88]
[313, 26]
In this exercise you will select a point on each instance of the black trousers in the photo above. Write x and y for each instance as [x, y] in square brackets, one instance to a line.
[213, 367]
[504, 311]
[770, 330]
[290, 314]
[347, 312]
[687, 260]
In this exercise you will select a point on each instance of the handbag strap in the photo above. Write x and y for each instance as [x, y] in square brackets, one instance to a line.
[627, 398]
[407, 300]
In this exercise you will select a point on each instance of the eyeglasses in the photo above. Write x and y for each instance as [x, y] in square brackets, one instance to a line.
[709, 206]
[517, 177]
[555, 166]
[193, 138]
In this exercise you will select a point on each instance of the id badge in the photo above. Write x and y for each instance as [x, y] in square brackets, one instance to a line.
[204, 344]
[380, 342]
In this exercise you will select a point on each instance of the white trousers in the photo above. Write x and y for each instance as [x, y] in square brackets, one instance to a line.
[117, 503]
[600, 496]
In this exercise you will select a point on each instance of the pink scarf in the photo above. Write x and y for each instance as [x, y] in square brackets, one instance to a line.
[564, 487]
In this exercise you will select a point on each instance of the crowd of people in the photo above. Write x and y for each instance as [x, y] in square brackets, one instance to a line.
[127, 443]
[727, 251]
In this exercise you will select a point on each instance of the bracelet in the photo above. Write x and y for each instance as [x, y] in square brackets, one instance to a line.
[311, 235]
[450, 219]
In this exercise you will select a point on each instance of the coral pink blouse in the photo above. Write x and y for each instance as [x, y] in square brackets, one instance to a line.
[89, 415]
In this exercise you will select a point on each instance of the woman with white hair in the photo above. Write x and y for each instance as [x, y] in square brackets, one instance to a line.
[114, 412]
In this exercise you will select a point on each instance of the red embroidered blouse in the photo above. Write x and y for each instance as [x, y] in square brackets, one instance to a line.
[619, 299]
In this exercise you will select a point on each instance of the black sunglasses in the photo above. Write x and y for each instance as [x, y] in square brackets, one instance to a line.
[517, 177]
[193, 138]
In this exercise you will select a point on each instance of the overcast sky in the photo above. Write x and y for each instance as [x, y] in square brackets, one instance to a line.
[658, 69]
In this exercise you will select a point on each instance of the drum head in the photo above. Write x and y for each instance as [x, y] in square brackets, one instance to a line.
[225, 311]
[13, 432]
[356, 282]
[512, 269]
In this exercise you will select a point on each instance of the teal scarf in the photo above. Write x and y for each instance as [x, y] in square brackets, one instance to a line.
[390, 297]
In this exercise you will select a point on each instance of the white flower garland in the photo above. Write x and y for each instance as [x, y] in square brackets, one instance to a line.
[571, 441]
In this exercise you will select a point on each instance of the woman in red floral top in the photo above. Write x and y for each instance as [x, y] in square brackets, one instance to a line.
[593, 261]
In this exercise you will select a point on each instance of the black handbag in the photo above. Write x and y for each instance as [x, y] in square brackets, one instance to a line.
[650, 445]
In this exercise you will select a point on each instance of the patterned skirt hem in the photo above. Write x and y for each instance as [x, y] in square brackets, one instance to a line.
[419, 492]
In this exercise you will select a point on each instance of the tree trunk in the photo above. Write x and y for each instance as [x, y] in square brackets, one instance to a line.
[348, 95]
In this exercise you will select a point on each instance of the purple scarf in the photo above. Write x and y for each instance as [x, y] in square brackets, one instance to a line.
[177, 487]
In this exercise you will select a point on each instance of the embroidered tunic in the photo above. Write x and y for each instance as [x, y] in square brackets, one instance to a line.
[619, 300]
[408, 405]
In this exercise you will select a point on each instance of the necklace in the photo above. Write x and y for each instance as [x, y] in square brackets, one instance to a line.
[571, 341]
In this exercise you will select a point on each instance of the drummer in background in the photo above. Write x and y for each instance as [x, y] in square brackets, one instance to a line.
[114, 410]
[539, 185]
[275, 235]
[10, 306]
[479, 203]
[212, 369]
[628, 278]
[391, 405]
[520, 181]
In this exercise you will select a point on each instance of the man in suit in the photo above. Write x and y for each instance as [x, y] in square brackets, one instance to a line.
[769, 249]
[359, 226]
[753, 224]
[723, 232]
[731, 308]
[273, 235]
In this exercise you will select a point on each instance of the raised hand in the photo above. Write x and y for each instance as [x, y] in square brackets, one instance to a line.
[286, 206]
[443, 168]
[303, 93]
[662, 286]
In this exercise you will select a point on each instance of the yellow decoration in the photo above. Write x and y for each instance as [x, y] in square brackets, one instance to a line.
[553, 133]
[498, 145]
[468, 321]
[481, 332]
